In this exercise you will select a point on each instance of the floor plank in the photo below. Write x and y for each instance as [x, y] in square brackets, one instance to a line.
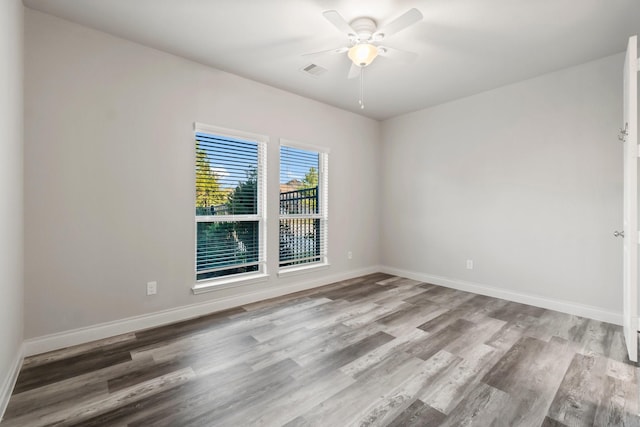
[376, 350]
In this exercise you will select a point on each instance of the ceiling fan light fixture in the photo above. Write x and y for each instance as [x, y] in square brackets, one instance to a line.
[363, 54]
[362, 32]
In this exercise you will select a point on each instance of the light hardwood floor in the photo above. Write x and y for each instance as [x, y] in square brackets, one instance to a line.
[377, 350]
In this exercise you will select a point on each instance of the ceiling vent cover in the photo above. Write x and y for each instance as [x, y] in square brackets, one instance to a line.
[314, 70]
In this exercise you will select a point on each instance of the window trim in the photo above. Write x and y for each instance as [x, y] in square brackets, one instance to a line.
[323, 211]
[238, 279]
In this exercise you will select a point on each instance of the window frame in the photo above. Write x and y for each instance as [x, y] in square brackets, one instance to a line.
[237, 279]
[323, 208]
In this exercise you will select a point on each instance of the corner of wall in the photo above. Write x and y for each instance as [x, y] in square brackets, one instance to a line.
[11, 196]
[9, 382]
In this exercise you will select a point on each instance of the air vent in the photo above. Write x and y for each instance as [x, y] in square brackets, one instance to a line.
[314, 70]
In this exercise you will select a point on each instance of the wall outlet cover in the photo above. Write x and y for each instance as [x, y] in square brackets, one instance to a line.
[152, 288]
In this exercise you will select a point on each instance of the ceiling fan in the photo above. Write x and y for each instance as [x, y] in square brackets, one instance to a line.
[365, 37]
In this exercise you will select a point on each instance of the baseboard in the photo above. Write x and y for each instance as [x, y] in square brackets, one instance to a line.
[57, 341]
[590, 312]
[9, 382]
[109, 329]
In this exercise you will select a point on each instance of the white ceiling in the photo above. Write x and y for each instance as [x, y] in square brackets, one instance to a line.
[464, 46]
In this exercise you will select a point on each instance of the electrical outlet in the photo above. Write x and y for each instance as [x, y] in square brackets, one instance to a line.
[152, 288]
[469, 264]
[349, 255]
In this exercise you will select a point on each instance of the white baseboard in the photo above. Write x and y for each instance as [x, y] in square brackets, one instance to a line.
[9, 381]
[590, 312]
[109, 329]
[84, 335]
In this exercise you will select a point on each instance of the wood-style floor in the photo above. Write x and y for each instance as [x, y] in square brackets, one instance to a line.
[377, 350]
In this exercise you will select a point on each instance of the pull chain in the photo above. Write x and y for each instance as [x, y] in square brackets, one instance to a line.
[361, 101]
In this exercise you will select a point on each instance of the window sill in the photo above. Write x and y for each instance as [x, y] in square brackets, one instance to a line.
[217, 284]
[294, 271]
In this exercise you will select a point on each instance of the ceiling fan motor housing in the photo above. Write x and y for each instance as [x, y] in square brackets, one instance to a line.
[364, 27]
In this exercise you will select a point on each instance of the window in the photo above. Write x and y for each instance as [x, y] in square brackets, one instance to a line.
[303, 205]
[230, 180]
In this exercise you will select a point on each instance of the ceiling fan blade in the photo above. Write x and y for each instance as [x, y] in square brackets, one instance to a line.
[400, 23]
[354, 71]
[397, 54]
[338, 21]
[328, 51]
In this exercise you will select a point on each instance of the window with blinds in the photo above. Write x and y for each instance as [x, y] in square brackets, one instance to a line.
[230, 180]
[303, 205]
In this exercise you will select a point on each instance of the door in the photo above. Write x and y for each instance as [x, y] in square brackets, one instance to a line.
[629, 136]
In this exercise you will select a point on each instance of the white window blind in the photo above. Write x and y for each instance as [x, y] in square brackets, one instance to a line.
[303, 206]
[230, 181]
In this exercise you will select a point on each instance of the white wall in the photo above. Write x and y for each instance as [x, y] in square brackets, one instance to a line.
[109, 174]
[11, 240]
[525, 180]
